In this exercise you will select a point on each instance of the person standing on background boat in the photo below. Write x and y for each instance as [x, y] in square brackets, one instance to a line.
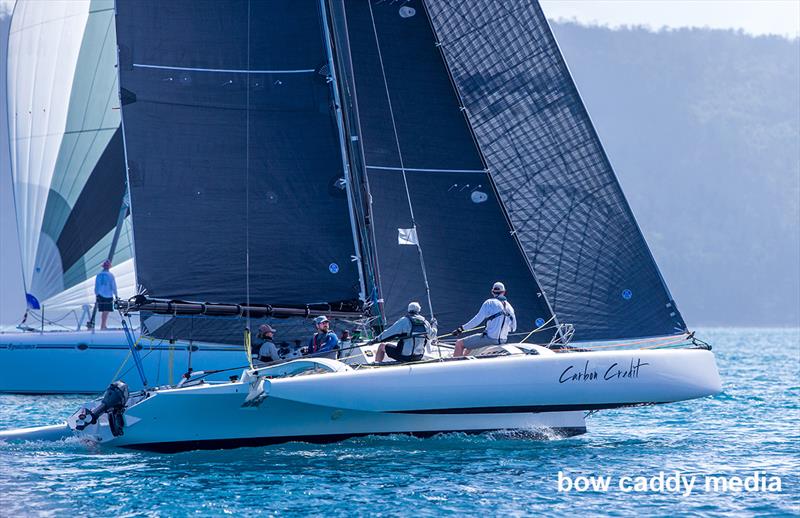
[105, 291]
[498, 316]
[324, 340]
[267, 351]
[414, 333]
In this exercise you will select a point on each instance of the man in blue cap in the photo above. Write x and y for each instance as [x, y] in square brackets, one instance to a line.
[324, 340]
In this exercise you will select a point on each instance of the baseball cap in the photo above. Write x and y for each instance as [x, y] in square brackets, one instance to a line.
[266, 328]
[498, 287]
[320, 319]
[414, 307]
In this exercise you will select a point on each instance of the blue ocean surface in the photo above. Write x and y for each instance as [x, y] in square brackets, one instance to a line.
[753, 426]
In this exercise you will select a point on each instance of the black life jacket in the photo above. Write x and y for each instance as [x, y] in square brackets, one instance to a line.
[415, 343]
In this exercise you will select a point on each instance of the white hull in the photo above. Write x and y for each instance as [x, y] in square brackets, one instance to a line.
[530, 392]
[85, 362]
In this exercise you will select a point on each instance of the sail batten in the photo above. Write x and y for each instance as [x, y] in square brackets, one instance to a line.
[226, 70]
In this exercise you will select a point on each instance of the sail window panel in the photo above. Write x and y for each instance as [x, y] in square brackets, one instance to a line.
[560, 190]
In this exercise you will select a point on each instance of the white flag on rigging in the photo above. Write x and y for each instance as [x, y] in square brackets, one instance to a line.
[407, 236]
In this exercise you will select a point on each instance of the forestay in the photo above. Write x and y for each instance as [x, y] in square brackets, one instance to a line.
[551, 171]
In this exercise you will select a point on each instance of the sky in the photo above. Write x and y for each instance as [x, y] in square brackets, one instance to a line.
[761, 17]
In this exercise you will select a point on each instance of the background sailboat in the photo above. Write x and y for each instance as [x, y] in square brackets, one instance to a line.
[69, 189]
[66, 156]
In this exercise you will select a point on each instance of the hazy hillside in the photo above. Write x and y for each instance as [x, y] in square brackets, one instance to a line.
[703, 128]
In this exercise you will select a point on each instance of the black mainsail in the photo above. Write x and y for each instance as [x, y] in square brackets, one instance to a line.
[551, 170]
[235, 168]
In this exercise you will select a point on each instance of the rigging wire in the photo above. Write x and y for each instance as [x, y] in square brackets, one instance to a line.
[402, 164]
[247, 187]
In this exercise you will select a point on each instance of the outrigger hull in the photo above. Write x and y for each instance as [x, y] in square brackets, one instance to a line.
[544, 393]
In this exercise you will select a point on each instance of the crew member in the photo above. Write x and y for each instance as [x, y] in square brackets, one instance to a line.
[498, 316]
[414, 333]
[267, 351]
[324, 340]
[105, 291]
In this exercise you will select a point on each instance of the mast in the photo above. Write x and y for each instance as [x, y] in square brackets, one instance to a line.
[348, 180]
[353, 151]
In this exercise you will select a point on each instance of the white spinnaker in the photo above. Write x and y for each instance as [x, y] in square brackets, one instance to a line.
[63, 111]
[43, 48]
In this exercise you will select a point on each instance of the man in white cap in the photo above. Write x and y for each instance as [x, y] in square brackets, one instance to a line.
[498, 315]
[413, 333]
[267, 351]
[324, 340]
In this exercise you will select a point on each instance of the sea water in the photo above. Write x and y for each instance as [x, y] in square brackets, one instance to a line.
[751, 429]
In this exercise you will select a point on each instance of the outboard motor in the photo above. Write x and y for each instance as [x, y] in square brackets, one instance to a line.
[113, 404]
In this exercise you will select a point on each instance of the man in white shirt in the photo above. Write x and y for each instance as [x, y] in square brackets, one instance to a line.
[105, 290]
[498, 315]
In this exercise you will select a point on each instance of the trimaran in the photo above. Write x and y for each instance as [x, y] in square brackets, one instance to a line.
[340, 157]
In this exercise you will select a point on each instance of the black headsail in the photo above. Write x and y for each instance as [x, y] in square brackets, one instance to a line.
[426, 177]
[234, 163]
[557, 184]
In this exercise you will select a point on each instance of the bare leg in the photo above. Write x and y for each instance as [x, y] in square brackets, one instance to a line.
[103, 319]
[459, 350]
[380, 353]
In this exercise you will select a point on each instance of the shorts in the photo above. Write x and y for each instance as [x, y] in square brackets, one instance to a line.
[396, 353]
[476, 342]
[105, 304]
